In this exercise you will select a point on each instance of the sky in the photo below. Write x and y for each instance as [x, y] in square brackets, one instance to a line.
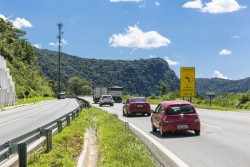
[211, 35]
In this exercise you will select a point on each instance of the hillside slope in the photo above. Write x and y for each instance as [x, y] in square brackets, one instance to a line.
[218, 85]
[22, 62]
[139, 77]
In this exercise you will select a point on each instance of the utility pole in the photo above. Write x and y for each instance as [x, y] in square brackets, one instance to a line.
[59, 58]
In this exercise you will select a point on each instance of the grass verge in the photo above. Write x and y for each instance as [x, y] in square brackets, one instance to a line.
[117, 147]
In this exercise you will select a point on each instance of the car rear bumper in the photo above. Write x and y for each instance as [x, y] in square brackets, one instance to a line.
[181, 127]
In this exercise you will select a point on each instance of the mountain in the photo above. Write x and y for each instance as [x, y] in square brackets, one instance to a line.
[218, 85]
[22, 62]
[139, 77]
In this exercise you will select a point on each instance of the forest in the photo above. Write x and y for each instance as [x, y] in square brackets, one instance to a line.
[139, 77]
[22, 62]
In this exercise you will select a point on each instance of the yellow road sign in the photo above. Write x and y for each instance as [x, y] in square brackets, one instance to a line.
[187, 82]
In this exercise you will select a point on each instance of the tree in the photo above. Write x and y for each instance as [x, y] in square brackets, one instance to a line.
[79, 86]
[163, 87]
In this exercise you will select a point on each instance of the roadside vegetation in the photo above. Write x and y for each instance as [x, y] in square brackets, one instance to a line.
[223, 101]
[117, 147]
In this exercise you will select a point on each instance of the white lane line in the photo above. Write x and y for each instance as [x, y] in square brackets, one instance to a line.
[19, 119]
[212, 126]
[178, 162]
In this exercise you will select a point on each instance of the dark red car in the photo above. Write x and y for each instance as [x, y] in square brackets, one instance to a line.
[136, 105]
[178, 115]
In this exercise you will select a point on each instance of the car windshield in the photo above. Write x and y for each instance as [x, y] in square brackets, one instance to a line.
[173, 110]
[138, 100]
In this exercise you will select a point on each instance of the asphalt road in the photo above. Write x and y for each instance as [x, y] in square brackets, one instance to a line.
[18, 121]
[224, 139]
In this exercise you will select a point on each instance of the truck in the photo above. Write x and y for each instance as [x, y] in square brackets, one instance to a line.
[114, 91]
[98, 92]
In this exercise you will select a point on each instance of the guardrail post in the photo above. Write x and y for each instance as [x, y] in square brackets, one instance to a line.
[68, 120]
[22, 153]
[59, 126]
[48, 140]
[77, 112]
[73, 115]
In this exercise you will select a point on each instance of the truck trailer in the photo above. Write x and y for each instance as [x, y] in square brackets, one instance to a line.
[115, 92]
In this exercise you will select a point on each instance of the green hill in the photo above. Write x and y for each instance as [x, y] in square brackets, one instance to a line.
[22, 62]
[139, 77]
[218, 85]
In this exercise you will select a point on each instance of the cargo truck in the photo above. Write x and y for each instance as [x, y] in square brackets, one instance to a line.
[98, 92]
[115, 92]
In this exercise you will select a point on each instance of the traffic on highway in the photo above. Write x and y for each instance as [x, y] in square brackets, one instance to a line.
[223, 140]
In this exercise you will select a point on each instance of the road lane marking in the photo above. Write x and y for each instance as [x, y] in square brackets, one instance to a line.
[211, 126]
[19, 119]
[178, 162]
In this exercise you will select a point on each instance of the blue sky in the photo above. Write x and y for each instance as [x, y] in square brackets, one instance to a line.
[211, 35]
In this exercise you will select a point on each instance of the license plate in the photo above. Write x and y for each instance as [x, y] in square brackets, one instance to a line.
[140, 105]
[182, 126]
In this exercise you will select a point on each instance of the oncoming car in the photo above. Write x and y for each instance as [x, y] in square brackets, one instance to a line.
[178, 115]
[136, 105]
[106, 100]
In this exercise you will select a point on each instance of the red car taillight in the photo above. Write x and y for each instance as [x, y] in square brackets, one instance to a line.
[165, 120]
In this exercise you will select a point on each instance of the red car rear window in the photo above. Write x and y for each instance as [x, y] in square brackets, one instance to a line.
[138, 100]
[173, 110]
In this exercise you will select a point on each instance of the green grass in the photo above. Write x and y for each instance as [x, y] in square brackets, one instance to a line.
[204, 106]
[32, 100]
[117, 147]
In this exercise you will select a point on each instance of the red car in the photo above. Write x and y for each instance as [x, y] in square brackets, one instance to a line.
[136, 105]
[178, 115]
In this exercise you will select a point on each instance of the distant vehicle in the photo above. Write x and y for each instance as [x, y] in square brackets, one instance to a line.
[178, 115]
[98, 92]
[106, 100]
[136, 105]
[61, 95]
[115, 92]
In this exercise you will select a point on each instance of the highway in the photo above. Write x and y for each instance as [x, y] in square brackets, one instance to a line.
[224, 139]
[18, 121]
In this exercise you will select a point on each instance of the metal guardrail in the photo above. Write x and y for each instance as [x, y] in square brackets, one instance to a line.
[10, 148]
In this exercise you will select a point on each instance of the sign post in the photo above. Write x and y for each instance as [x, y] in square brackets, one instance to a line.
[210, 95]
[187, 81]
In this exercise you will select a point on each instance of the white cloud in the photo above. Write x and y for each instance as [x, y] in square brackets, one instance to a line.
[18, 22]
[170, 62]
[63, 42]
[197, 4]
[222, 6]
[236, 37]
[142, 6]
[21, 22]
[157, 3]
[224, 52]
[125, 0]
[39, 46]
[215, 6]
[152, 56]
[3, 17]
[136, 38]
[218, 74]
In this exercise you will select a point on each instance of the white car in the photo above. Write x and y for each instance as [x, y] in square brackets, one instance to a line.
[106, 100]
